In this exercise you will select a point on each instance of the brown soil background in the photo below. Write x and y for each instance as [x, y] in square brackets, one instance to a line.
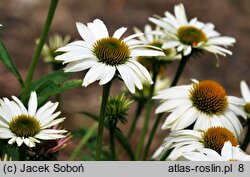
[23, 21]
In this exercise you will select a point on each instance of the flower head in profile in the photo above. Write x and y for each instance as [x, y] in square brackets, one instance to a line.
[204, 104]
[245, 92]
[55, 41]
[155, 37]
[28, 126]
[106, 55]
[117, 109]
[185, 141]
[186, 35]
[228, 153]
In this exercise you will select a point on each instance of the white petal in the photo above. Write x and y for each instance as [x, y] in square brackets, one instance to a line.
[177, 152]
[148, 30]
[163, 24]
[119, 32]
[245, 92]
[72, 48]
[203, 122]
[29, 143]
[132, 36]
[107, 75]
[74, 56]
[172, 94]
[186, 119]
[211, 154]
[170, 44]
[44, 114]
[19, 141]
[49, 118]
[236, 124]
[12, 140]
[222, 40]
[211, 33]
[235, 100]
[5, 133]
[53, 131]
[80, 43]
[80, 65]
[216, 122]
[217, 50]
[45, 136]
[142, 69]
[196, 156]
[169, 105]
[52, 123]
[175, 115]
[226, 151]
[237, 110]
[172, 20]
[32, 104]
[85, 33]
[126, 78]
[180, 14]
[187, 50]
[94, 74]
[24, 110]
[98, 28]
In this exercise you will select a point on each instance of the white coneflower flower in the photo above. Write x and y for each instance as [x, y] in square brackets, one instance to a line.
[27, 126]
[155, 38]
[228, 153]
[245, 92]
[183, 141]
[203, 103]
[107, 55]
[188, 35]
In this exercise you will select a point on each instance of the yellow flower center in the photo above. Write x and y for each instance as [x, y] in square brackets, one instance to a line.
[247, 108]
[111, 51]
[215, 137]
[209, 97]
[190, 35]
[24, 126]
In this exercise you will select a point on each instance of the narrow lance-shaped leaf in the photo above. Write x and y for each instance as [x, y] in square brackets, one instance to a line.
[5, 58]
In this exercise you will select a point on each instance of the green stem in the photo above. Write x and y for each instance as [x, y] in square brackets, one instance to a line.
[180, 69]
[112, 128]
[148, 113]
[105, 95]
[152, 134]
[165, 155]
[139, 109]
[38, 50]
[247, 138]
[84, 140]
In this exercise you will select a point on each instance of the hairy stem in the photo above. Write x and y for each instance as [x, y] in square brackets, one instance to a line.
[105, 95]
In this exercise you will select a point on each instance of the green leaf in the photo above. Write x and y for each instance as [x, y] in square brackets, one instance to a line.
[118, 135]
[53, 78]
[5, 57]
[54, 89]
